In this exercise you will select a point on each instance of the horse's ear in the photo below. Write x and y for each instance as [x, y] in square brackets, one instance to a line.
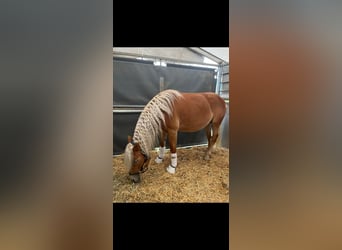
[129, 138]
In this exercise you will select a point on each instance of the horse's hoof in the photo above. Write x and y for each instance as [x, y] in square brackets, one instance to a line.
[171, 170]
[158, 160]
[207, 157]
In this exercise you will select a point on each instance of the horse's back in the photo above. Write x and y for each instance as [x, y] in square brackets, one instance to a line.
[192, 112]
[217, 104]
[206, 102]
[195, 110]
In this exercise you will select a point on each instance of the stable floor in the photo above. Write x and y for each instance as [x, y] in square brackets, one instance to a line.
[195, 180]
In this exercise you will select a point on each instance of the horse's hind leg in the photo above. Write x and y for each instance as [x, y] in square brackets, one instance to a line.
[213, 138]
[160, 157]
[208, 133]
[216, 128]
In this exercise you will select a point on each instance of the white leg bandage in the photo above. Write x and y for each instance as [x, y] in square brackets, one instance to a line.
[160, 156]
[172, 167]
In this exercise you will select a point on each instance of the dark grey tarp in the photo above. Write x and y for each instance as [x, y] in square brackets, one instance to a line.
[135, 82]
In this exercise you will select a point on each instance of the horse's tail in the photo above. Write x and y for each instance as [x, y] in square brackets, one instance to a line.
[128, 160]
[226, 104]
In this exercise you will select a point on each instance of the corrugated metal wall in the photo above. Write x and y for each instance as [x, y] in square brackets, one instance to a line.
[224, 86]
[223, 91]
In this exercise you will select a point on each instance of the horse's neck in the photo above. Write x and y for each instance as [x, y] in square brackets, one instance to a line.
[142, 143]
[151, 119]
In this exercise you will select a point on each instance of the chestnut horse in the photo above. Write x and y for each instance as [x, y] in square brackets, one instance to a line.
[167, 113]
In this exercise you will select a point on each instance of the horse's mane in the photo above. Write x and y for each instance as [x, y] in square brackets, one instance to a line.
[128, 160]
[150, 121]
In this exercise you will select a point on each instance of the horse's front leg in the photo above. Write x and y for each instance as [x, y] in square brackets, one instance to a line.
[162, 139]
[173, 143]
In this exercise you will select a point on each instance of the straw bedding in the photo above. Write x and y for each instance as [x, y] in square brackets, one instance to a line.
[195, 180]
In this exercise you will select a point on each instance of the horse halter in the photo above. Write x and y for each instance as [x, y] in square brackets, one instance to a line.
[144, 166]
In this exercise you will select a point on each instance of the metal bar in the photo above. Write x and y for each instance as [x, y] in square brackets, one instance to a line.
[161, 84]
[152, 58]
[128, 106]
[207, 54]
[218, 80]
[127, 111]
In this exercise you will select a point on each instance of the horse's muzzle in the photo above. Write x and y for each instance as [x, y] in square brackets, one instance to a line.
[135, 177]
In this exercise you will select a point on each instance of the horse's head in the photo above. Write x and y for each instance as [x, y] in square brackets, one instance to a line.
[135, 160]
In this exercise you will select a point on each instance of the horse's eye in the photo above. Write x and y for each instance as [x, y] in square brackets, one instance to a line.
[136, 161]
